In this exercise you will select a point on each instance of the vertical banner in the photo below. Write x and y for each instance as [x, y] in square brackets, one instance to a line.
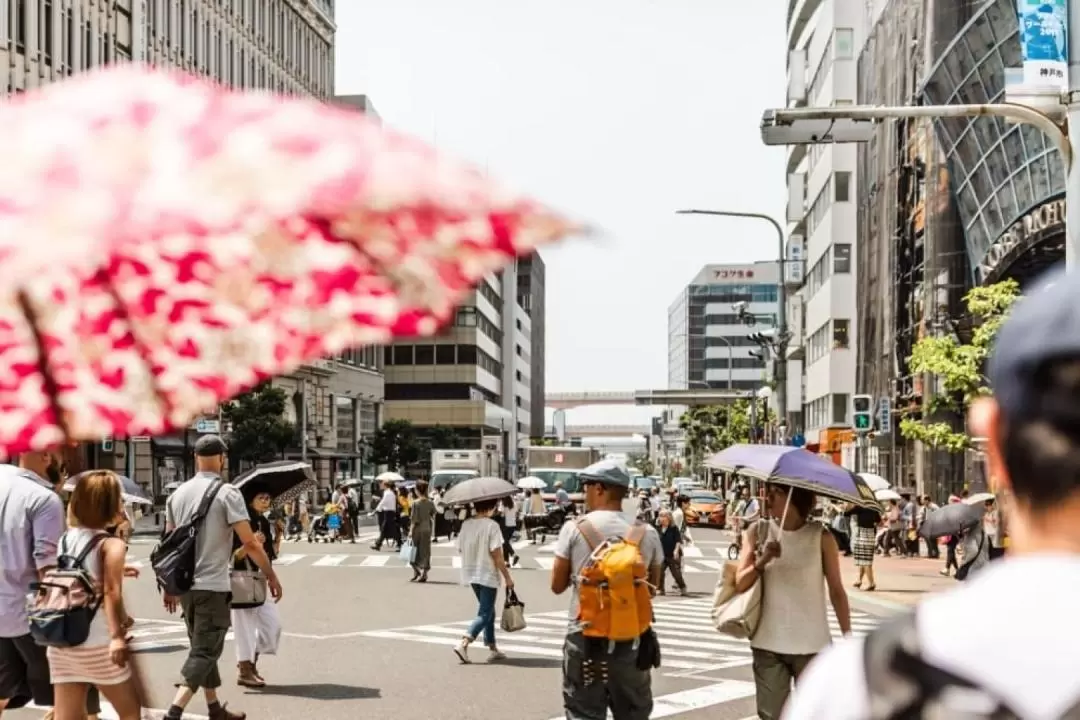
[1044, 43]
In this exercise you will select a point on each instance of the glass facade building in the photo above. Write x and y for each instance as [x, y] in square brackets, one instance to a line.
[1008, 179]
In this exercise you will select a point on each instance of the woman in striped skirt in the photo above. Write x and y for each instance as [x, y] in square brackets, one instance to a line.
[101, 661]
[864, 544]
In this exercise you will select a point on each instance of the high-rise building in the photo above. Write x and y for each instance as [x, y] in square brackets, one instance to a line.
[531, 275]
[280, 45]
[708, 336]
[822, 38]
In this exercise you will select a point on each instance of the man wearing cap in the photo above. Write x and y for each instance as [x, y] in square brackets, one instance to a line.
[628, 690]
[999, 645]
[206, 606]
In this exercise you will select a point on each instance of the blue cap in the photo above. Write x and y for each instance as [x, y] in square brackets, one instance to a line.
[1044, 325]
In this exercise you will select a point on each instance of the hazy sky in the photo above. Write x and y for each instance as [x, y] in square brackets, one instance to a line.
[619, 111]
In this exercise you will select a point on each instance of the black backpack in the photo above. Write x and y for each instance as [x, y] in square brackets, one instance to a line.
[66, 600]
[174, 557]
[903, 686]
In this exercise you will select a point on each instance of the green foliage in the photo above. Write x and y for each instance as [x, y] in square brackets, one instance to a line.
[958, 367]
[642, 462]
[711, 428]
[395, 445]
[441, 437]
[259, 431]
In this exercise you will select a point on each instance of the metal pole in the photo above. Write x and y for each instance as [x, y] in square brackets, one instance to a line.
[781, 295]
[303, 419]
[1072, 182]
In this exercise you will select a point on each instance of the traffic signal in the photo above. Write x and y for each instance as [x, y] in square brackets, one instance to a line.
[862, 413]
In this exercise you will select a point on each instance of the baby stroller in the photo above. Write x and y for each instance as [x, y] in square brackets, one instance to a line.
[320, 530]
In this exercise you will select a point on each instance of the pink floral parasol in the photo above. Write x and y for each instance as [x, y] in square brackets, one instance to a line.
[166, 244]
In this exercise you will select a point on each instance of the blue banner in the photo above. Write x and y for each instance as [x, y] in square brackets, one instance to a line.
[1044, 42]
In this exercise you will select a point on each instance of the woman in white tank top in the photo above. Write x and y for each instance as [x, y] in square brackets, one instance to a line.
[800, 561]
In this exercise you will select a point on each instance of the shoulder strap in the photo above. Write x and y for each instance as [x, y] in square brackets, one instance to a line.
[590, 533]
[635, 534]
[96, 540]
[208, 497]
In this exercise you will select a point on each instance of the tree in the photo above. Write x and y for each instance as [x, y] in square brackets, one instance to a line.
[441, 437]
[958, 367]
[258, 431]
[395, 445]
[711, 428]
[642, 462]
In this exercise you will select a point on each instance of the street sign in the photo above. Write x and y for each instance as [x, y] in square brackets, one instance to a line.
[885, 415]
[862, 413]
[107, 443]
[207, 426]
[140, 438]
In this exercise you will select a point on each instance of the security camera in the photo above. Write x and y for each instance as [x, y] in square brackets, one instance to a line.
[740, 307]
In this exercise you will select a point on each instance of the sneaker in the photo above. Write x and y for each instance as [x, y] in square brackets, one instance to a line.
[496, 655]
[462, 652]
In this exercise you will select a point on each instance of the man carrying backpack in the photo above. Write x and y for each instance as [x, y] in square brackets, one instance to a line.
[613, 567]
[998, 645]
[214, 510]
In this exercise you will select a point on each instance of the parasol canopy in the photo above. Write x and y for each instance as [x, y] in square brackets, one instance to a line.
[284, 480]
[531, 482]
[477, 490]
[795, 467]
[133, 493]
[389, 476]
[950, 520]
[874, 482]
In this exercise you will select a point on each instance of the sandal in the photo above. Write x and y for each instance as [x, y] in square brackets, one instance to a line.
[858, 585]
[871, 588]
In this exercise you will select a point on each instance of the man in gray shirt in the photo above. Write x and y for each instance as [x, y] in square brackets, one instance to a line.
[206, 606]
[627, 691]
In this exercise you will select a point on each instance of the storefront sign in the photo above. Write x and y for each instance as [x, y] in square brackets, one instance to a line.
[1023, 234]
[1044, 43]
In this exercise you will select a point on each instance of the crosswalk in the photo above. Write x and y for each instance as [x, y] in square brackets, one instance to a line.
[688, 640]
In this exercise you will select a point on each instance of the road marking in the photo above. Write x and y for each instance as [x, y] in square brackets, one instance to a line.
[706, 696]
[549, 548]
[288, 559]
[331, 560]
[108, 712]
[521, 544]
[545, 563]
[375, 561]
[692, 551]
[455, 562]
[446, 544]
[716, 565]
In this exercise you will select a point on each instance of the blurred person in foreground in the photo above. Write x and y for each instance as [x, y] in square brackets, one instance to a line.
[999, 645]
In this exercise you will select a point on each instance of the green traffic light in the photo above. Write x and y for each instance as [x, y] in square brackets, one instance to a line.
[862, 422]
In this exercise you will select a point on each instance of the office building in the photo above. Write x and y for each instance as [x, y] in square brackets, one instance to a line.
[708, 341]
[822, 42]
[531, 273]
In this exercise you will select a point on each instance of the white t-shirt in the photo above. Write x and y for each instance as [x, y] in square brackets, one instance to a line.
[479, 537]
[985, 630]
[510, 516]
[388, 502]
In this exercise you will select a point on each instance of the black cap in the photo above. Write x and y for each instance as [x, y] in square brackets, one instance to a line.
[606, 472]
[1044, 325]
[209, 446]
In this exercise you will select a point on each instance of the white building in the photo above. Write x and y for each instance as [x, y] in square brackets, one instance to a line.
[708, 341]
[823, 36]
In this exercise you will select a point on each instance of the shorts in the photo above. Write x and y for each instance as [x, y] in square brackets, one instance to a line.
[24, 673]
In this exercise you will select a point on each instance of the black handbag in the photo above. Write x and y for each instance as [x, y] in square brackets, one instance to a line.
[174, 557]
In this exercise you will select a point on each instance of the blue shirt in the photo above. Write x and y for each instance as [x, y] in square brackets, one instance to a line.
[31, 523]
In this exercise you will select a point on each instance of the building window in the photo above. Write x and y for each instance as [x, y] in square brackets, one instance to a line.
[403, 354]
[840, 328]
[517, 349]
[444, 355]
[466, 317]
[844, 43]
[842, 184]
[466, 355]
[842, 258]
[840, 408]
[425, 355]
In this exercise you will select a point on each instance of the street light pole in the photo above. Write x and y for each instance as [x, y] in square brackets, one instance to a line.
[1064, 140]
[730, 355]
[781, 315]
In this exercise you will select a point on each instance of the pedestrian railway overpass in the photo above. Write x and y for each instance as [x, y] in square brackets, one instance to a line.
[689, 398]
[583, 431]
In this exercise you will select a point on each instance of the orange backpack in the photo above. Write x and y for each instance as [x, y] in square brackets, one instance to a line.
[613, 587]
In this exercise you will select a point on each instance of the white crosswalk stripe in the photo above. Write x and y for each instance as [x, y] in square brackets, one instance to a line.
[687, 637]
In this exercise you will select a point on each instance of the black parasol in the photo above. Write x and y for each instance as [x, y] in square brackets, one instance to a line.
[284, 480]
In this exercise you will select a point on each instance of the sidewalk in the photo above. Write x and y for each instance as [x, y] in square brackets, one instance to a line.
[901, 582]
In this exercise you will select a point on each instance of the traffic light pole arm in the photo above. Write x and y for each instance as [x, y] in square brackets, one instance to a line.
[780, 345]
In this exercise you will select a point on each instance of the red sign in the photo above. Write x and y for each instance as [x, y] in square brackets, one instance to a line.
[732, 274]
[558, 458]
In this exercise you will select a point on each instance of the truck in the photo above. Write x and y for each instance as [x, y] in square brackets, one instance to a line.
[449, 467]
[560, 464]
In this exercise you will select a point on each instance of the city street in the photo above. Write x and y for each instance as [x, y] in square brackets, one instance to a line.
[361, 639]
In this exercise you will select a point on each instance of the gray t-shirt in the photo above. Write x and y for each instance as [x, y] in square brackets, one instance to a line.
[213, 546]
[573, 546]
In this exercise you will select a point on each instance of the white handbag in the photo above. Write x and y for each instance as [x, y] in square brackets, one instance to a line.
[738, 614]
[513, 614]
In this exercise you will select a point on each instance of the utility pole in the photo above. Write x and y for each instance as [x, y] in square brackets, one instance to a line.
[303, 419]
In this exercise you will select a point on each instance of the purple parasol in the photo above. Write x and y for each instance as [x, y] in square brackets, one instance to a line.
[787, 465]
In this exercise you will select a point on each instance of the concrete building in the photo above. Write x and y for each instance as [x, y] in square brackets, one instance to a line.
[822, 41]
[281, 45]
[708, 343]
[532, 273]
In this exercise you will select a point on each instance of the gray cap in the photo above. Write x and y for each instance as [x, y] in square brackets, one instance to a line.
[210, 445]
[606, 472]
[1044, 325]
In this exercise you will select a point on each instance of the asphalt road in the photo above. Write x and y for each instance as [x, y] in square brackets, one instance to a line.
[361, 639]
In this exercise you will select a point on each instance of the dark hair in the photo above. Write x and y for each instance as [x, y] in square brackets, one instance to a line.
[1040, 445]
[802, 500]
[508, 502]
[485, 505]
[422, 487]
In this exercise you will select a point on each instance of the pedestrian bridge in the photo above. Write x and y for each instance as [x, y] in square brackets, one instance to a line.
[692, 397]
[607, 430]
